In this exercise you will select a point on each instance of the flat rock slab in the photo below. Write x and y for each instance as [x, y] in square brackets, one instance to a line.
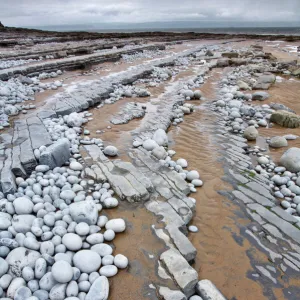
[208, 291]
[284, 226]
[128, 183]
[185, 276]
[38, 133]
[168, 294]
[8, 185]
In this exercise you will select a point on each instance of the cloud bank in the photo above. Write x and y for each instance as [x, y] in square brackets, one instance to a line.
[68, 12]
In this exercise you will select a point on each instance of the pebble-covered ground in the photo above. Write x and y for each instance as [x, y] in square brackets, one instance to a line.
[189, 134]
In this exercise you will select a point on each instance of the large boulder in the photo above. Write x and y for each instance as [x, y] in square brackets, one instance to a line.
[291, 159]
[56, 154]
[19, 258]
[250, 133]
[285, 119]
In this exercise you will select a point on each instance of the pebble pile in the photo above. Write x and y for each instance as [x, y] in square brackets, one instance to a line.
[244, 118]
[51, 244]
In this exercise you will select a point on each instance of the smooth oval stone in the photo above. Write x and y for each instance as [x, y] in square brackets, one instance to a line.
[109, 235]
[62, 271]
[82, 228]
[107, 260]
[72, 241]
[33, 285]
[41, 294]
[102, 249]
[31, 243]
[110, 202]
[182, 162]
[47, 282]
[193, 228]
[191, 175]
[76, 166]
[15, 284]
[102, 220]
[40, 268]
[5, 281]
[22, 293]
[117, 225]
[121, 261]
[95, 238]
[58, 292]
[28, 273]
[108, 271]
[72, 289]
[84, 286]
[87, 261]
[110, 151]
[23, 206]
[3, 267]
[93, 276]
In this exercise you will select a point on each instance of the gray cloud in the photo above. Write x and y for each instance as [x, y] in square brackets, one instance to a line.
[57, 12]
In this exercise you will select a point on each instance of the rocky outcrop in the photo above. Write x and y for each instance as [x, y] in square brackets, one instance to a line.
[70, 63]
[131, 111]
[128, 183]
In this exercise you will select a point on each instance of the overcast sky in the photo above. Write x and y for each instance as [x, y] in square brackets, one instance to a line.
[58, 12]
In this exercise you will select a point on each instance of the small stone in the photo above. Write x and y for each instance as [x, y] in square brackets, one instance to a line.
[76, 166]
[250, 133]
[62, 271]
[278, 142]
[87, 261]
[72, 241]
[110, 151]
[108, 271]
[117, 225]
[121, 261]
[193, 228]
[192, 175]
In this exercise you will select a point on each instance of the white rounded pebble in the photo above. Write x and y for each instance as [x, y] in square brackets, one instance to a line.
[82, 228]
[107, 260]
[76, 166]
[193, 228]
[191, 175]
[197, 182]
[62, 271]
[117, 225]
[109, 235]
[182, 162]
[72, 241]
[87, 261]
[110, 202]
[102, 249]
[108, 271]
[102, 221]
[23, 206]
[110, 151]
[121, 261]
